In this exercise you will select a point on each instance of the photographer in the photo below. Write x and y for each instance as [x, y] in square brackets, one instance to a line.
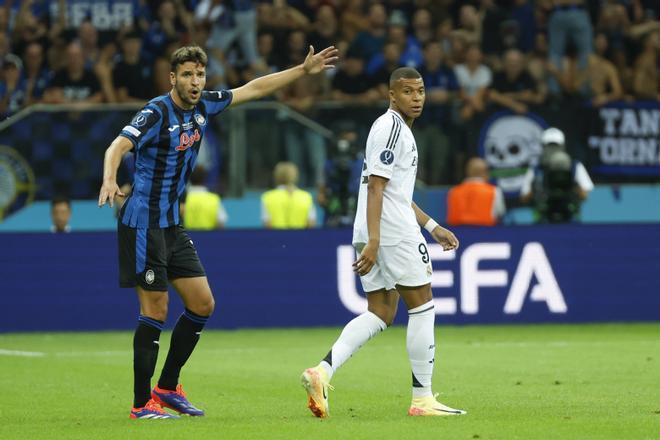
[338, 196]
[558, 184]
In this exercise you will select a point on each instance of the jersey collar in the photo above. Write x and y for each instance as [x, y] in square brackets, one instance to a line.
[395, 113]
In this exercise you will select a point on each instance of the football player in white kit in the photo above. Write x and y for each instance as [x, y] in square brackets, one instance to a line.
[393, 259]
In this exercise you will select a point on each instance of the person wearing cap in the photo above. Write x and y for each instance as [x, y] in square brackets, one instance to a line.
[12, 89]
[542, 182]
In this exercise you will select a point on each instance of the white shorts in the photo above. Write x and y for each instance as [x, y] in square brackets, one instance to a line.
[406, 264]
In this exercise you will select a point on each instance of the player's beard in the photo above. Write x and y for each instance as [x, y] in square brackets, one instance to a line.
[185, 97]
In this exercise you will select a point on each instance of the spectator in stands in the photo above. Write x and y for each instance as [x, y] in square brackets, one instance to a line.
[28, 28]
[513, 87]
[599, 83]
[646, 79]
[350, 84]
[162, 68]
[431, 132]
[12, 89]
[296, 49]
[558, 184]
[75, 83]
[132, 74]
[537, 62]
[422, 27]
[469, 23]
[88, 38]
[391, 60]
[353, 19]
[304, 147]
[36, 75]
[474, 79]
[411, 51]
[279, 15]
[325, 29]
[231, 21]
[171, 23]
[370, 41]
[475, 201]
[287, 206]
[60, 214]
[568, 21]
[523, 14]
[202, 209]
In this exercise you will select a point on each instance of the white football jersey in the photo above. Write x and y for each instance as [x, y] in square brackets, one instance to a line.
[391, 153]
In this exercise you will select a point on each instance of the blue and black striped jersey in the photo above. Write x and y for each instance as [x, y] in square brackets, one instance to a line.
[166, 142]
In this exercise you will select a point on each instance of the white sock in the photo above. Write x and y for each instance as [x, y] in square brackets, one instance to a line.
[420, 342]
[355, 334]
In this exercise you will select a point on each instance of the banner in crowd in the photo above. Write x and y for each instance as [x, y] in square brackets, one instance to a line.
[304, 278]
[624, 139]
[511, 143]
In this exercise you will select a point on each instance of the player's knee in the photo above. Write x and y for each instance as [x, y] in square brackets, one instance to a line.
[204, 308]
[385, 314]
[157, 311]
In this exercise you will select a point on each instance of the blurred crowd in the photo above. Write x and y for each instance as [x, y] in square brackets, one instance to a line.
[510, 52]
[474, 55]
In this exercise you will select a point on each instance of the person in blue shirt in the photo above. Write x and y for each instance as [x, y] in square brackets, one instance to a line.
[154, 249]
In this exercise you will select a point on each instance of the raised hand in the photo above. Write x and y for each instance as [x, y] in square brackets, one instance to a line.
[316, 63]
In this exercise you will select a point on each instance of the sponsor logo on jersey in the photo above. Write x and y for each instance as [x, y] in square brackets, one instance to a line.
[186, 141]
[172, 128]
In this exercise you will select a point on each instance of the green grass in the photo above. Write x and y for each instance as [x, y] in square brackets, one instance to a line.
[517, 382]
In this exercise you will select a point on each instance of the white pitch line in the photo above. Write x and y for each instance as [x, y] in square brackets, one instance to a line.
[4, 352]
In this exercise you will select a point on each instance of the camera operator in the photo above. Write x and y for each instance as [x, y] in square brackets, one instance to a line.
[558, 184]
[338, 195]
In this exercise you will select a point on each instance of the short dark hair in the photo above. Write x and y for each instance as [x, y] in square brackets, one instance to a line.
[188, 53]
[404, 73]
[60, 198]
[198, 176]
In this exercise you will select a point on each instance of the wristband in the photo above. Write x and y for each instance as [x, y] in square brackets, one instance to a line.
[430, 225]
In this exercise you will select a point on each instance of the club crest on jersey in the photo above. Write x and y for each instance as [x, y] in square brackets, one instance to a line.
[387, 157]
[186, 141]
[201, 120]
[149, 276]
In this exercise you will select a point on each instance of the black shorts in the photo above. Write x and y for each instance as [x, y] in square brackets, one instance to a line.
[151, 257]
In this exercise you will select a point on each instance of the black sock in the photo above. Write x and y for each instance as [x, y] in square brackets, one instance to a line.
[184, 338]
[145, 354]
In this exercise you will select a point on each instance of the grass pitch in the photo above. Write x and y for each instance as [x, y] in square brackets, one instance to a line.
[516, 382]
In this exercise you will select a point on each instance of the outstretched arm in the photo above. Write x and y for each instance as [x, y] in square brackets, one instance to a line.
[264, 86]
[443, 236]
[113, 155]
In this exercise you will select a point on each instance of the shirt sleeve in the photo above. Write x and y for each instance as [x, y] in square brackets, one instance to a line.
[144, 126]
[217, 100]
[499, 206]
[382, 151]
[582, 178]
[526, 187]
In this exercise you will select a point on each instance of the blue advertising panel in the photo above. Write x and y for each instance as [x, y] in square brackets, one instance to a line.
[303, 278]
